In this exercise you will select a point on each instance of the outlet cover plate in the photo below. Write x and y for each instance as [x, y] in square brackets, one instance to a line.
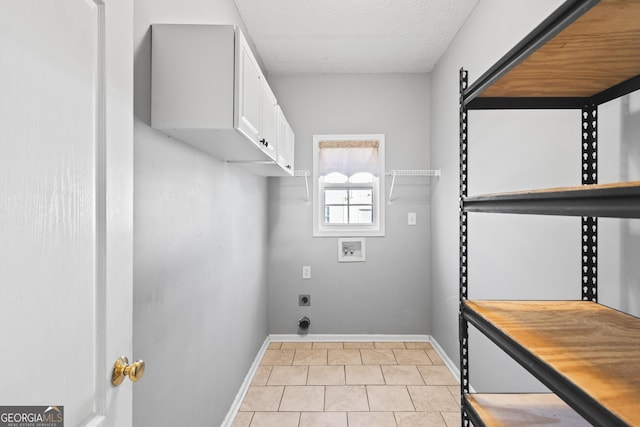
[411, 218]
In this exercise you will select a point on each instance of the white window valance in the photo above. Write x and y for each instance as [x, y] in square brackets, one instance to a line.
[349, 157]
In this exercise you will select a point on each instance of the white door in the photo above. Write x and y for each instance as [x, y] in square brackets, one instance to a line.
[66, 206]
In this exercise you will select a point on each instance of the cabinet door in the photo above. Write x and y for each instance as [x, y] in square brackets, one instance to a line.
[269, 124]
[248, 100]
[286, 143]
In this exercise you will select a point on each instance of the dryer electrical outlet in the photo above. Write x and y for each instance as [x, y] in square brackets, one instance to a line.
[304, 300]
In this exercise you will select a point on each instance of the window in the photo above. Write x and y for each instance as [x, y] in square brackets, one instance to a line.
[348, 175]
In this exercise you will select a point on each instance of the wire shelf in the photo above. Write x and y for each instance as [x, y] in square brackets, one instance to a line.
[410, 173]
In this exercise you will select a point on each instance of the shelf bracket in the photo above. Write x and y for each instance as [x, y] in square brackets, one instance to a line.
[305, 174]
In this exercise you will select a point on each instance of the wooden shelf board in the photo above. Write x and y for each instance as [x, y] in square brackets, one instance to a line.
[606, 200]
[532, 410]
[585, 352]
[597, 51]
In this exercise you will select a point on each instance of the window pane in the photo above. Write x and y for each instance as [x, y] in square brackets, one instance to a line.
[335, 197]
[361, 197]
[360, 215]
[335, 215]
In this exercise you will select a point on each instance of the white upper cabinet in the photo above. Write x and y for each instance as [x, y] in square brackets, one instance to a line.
[208, 91]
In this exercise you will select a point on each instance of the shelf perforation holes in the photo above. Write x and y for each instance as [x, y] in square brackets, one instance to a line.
[463, 327]
[589, 145]
[589, 259]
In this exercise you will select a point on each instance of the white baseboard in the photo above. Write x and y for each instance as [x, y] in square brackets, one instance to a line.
[235, 406]
[448, 362]
[445, 358]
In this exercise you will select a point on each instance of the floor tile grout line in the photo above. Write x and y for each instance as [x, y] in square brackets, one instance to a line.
[442, 416]
[366, 392]
[411, 398]
[384, 377]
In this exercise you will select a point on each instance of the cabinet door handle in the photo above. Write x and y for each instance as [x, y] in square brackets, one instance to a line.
[288, 166]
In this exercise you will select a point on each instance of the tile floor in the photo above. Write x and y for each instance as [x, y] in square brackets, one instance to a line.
[394, 384]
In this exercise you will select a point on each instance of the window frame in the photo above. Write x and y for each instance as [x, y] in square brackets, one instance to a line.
[377, 229]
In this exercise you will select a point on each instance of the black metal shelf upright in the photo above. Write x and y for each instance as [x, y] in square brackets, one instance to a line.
[589, 201]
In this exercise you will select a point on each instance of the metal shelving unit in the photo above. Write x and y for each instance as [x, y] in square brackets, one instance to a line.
[582, 55]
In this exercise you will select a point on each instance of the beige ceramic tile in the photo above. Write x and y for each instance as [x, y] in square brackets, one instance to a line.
[346, 398]
[326, 345]
[432, 398]
[242, 419]
[401, 375]
[371, 419]
[296, 345]
[412, 357]
[437, 375]
[278, 357]
[262, 398]
[302, 398]
[389, 345]
[288, 375]
[275, 419]
[274, 345]
[423, 345]
[358, 345]
[326, 375]
[323, 419]
[310, 357]
[435, 358]
[420, 419]
[262, 375]
[389, 398]
[344, 357]
[378, 357]
[452, 419]
[365, 375]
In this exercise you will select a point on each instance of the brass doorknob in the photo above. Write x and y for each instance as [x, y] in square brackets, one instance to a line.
[122, 369]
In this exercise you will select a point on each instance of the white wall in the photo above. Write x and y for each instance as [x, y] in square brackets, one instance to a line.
[390, 292]
[199, 254]
[516, 256]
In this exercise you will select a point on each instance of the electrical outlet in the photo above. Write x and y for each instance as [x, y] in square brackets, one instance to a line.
[306, 272]
[304, 300]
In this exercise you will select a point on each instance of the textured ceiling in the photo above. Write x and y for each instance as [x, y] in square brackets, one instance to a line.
[352, 36]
